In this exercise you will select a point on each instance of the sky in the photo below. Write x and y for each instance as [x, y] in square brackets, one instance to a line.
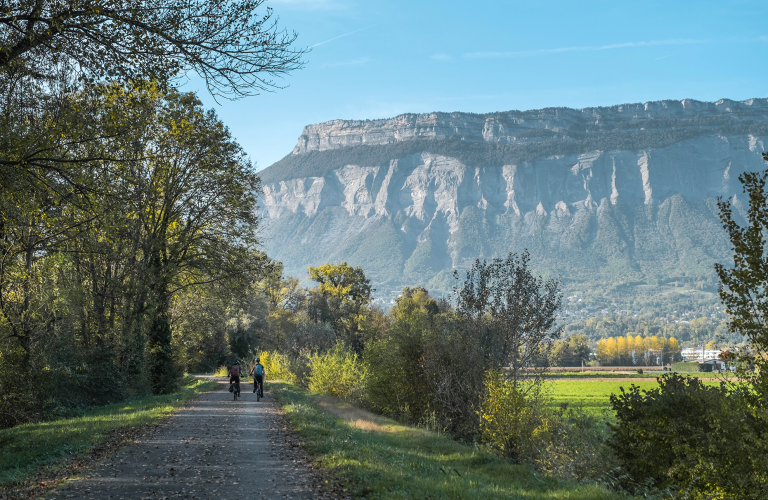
[378, 59]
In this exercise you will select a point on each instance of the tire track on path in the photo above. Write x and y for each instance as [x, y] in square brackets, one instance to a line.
[213, 448]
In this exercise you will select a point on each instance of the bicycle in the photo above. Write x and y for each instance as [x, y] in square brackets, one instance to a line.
[259, 391]
[236, 390]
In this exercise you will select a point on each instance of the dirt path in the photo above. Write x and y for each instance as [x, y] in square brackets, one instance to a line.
[213, 448]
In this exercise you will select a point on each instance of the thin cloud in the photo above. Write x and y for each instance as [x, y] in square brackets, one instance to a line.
[664, 57]
[310, 4]
[440, 57]
[584, 48]
[341, 36]
[354, 62]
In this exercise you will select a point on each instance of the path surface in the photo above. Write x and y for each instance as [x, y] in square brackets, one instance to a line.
[213, 448]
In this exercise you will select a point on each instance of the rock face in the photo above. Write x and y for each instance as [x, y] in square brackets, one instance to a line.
[626, 193]
[516, 126]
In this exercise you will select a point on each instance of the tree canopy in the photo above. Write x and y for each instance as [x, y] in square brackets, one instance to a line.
[235, 49]
[343, 282]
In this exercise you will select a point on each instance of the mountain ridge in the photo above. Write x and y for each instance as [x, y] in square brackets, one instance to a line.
[605, 202]
[357, 140]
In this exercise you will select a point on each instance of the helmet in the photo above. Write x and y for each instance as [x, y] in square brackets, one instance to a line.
[237, 361]
[258, 359]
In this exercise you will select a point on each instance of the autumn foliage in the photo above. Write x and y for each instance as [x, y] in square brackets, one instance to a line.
[637, 351]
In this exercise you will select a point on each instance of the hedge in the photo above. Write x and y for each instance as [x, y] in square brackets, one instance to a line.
[690, 367]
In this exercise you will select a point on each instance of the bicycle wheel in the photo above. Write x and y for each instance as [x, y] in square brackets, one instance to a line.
[258, 393]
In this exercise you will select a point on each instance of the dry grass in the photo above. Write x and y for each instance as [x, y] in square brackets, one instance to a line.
[355, 417]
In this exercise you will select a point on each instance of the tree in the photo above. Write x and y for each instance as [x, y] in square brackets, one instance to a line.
[640, 351]
[570, 352]
[622, 353]
[744, 287]
[194, 203]
[341, 297]
[179, 213]
[674, 349]
[603, 356]
[342, 282]
[234, 49]
[400, 356]
[512, 312]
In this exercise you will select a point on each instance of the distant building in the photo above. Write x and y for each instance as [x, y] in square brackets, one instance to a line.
[695, 353]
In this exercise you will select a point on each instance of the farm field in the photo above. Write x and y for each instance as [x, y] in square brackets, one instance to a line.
[593, 395]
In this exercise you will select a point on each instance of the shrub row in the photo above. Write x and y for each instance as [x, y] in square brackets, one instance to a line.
[690, 367]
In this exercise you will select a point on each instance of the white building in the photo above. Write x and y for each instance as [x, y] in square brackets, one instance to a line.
[692, 353]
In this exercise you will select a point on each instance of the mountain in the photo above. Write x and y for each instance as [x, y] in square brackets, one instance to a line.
[602, 195]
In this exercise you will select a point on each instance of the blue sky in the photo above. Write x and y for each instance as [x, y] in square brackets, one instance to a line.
[378, 59]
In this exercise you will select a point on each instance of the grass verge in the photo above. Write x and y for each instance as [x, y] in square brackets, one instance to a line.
[393, 461]
[27, 449]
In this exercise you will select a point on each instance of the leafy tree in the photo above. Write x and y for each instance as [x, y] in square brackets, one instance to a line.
[342, 282]
[622, 351]
[398, 385]
[281, 292]
[744, 289]
[341, 297]
[512, 312]
[571, 351]
[193, 201]
[179, 213]
[232, 47]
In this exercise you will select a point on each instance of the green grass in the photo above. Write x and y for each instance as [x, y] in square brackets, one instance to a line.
[26, 448]
[607, 375]
[399, 462]
[592, 396]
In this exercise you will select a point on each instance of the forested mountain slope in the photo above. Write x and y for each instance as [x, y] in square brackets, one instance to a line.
[599, 195]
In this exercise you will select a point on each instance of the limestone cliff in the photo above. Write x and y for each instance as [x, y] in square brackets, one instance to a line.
[599, 194]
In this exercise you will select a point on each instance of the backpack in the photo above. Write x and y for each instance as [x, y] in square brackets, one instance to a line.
[259, 370]
[235, 371]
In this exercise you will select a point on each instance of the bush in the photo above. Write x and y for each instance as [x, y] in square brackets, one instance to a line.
[639, 371]
[337, 373]
[454, 372]
[277, 366]
[705, 441]
[397, 385]
[509, 421]
[523, 427]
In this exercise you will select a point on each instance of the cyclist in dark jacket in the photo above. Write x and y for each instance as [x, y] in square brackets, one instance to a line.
[234, 373]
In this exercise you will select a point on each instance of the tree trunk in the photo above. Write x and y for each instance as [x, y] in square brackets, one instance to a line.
[160, 363]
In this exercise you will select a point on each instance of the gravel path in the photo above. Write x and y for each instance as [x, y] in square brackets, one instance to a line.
[213, 448]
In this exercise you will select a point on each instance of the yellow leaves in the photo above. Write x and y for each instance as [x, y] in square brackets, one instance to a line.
[621, 350]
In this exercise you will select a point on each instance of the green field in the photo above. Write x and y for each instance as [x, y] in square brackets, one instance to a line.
[648, 375]
[592, 396]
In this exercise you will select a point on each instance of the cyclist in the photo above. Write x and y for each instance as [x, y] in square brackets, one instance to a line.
[258, 372]
[234, 374]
